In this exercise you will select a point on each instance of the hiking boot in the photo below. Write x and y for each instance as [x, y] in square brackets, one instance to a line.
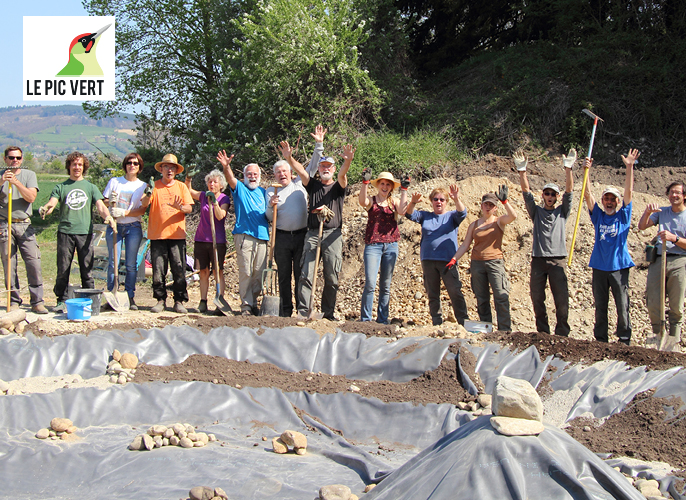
[59, 308]
[39, 309]
[202, 307]
[132, 305]
[178, 308]
[159, 307]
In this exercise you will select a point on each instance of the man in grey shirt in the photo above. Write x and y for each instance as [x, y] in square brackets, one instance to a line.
[291, 221]
[24, 191]
[549, 250]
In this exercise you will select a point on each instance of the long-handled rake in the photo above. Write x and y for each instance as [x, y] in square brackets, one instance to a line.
[324, 214]
[270, 278]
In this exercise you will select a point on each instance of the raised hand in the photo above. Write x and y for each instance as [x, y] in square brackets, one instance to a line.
[520, 161]
[224, 159]
[149, 187]
[319, 133]
[285, 149]
[405, 182]
[366, 175]
[652, 208]
[416, 198]
[501, 193]
[348, 152]
[631, 157]
[569, 160]
[588, 162]
[455, 192]
[192, 170]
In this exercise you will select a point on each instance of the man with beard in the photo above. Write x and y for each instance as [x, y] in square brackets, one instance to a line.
[291, 221]
[330, 193]
[549, 250]
[250, 233]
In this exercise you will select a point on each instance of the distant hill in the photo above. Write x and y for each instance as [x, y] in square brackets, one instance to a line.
[50, 130]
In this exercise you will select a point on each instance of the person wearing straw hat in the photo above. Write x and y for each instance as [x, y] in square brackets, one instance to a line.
[291, 221]
[169, 202]
[24, 191]
[610, 259]
[381, 239]
[250, 231]
[671, 222]
[549, 249]
[76, 197]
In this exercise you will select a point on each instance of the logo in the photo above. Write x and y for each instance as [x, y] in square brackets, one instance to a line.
[73, 59]
[76, 199]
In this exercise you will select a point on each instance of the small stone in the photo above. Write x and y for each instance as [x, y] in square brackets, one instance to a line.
[239, 386]
[168, 433]
[418, 295]
[189, 428]
[174, 441]
[43, 434]
[215, 381]
[148, 442]
[185, 443]
[294, 439]
[264, 438]
[157, 430]
[71, 430]
[192, 436]
[279, 446]
[4, 386]
[218, 492]
[201, 493]
[484, 399]
[369, 487]
[301, 451]
[182, 434]
[462, 405]
[510, 426]
[587, 428]
[158, 441]
[354, 388]
[334, 492]
[128, 360]
[113, 379]
[203, 437]
[122, 379]
[53, 433]
[211, 438]
[116, 355]
[472, 406]
[353, 496]
[165, 441]
[299, 323]
[60, 424]
[136, 443]
[178, 428]
[198, 444]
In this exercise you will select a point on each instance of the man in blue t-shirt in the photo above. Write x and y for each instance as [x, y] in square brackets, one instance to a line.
[250, 233]
[610, 259]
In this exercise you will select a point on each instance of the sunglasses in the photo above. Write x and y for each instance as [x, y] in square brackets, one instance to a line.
[14, 157]
[439, 199]
[550, 193]
[131, 162]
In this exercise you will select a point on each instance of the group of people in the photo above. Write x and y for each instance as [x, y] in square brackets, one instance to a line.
[293, 203]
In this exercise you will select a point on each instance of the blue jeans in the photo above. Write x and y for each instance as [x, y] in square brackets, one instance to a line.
[131, 235]
[378, 257]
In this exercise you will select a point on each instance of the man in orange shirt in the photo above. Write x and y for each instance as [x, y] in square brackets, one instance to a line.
[169, 203]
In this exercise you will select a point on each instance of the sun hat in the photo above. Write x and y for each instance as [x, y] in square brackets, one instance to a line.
[169, 159]
[327, 159]
[490, 197]
[553, 186]
[386, 176]
[612, 190]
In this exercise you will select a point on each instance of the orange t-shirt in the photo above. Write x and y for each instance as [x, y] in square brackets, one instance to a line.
[166, 222]
[488, 242]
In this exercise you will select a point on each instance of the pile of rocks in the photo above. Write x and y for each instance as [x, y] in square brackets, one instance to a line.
[482, 405]
[122, 367]
[13, 321]
[183, 435]
[517, 408]
[293, 439]
[207, 493]
[60, 428]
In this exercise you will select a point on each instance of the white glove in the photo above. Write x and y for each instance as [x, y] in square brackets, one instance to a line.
[520, 161]
[118, 212]
[569, 160]
[109, 220]
[42, 211]
[114, 198]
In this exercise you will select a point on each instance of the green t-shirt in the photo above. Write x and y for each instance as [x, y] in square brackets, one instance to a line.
[76, 202]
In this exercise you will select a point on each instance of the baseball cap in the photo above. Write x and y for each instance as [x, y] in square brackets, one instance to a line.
[553, 186]
[327, 159]
[612, 190]
[490, 197]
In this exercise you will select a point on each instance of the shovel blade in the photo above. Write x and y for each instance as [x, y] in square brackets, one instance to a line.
[223, 306]
[270, 305]
[119, 301]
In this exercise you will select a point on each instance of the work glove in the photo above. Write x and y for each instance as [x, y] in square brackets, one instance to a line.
[405, 182]
[192, 170]
[520, 161]
[501, 193]
[450, 264]
[117, 212]
[42, 211]
[149, 187]
[366, 175]
[211, 198]
[114, 198]
[112, 223]
[569, 160]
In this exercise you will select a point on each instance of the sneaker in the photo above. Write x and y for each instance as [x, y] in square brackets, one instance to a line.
[202, 307]
[178, 308]
[159, 307]
[59, 308]
[132, 305]
[246, 313]
[39, 309]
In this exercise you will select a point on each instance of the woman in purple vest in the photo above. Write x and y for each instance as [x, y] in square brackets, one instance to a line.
[218, 203]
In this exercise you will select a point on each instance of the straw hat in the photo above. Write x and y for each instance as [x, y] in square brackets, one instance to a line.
[386, 176]
[169, 159]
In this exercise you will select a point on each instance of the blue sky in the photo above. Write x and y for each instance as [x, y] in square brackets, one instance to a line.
[13, 12]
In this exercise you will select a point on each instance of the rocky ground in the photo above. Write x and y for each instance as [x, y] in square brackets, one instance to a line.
[409, 310]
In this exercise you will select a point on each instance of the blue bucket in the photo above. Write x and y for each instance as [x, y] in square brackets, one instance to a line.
[78, 309]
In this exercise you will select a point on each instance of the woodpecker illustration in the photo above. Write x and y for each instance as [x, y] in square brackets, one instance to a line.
[82, 61]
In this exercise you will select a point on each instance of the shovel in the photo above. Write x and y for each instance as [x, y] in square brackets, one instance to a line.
[8, 264]
[324, 214]
[119, 301]
[662, 340]
[219, 301]
[270, 280]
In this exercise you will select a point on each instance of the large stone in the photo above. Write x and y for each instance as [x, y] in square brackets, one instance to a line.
[60, 424]
[279, 446]
[294, 439]
[174, 440]
[516, 398]
[201, 493]
[148, 442]
[157, 430]
[186, 443]
[43, 434]
[218, 492]
[136, 443]
[202, 436]
[178, 428]
[334, 492]
[116, 355]
[128, 360]
[517, 426]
